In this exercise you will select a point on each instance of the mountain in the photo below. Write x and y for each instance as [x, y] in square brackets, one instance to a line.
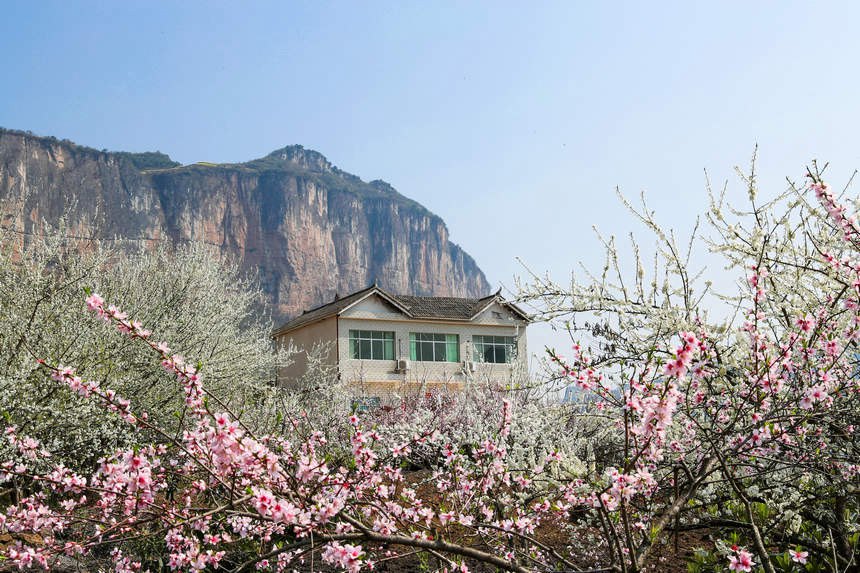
[307, 229]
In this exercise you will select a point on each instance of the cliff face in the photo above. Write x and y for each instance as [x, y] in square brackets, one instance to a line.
[306, 228]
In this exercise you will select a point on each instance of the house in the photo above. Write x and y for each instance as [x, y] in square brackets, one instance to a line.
[385, 344]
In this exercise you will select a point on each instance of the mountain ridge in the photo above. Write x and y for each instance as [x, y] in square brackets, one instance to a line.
[306, 228]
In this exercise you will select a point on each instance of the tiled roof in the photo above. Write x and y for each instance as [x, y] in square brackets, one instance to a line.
[321, 312]
[420, 307]
[442, 306]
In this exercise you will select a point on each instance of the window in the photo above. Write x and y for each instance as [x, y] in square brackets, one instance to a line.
[434, 347]
[494, 349]
[366, 404]
[371, 345]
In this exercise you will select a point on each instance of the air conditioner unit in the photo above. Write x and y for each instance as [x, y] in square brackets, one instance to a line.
[402, 365]
[469, 366]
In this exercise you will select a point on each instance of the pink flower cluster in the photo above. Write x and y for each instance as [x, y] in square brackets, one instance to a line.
[580, 371]
[86, 388]
[677, 367]
[624, 486]
[28, 447]
[347, 557]
[836, 211]
[756, 281]
[741, 560]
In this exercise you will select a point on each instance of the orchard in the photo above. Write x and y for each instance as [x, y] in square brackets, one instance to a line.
[742, 432]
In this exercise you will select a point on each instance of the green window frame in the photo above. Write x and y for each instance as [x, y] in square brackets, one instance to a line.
[371, 345]
[493, 349]
[427, 347]
[366, 404]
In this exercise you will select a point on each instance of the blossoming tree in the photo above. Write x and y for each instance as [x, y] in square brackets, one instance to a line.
[746, 430]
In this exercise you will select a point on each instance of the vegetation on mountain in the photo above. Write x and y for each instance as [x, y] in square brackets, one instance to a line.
[149, 160]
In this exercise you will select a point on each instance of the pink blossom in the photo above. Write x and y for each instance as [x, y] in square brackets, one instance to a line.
[806, 323]
[742, 561]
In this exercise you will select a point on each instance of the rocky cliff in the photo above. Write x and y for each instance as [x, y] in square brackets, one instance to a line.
[307, 229]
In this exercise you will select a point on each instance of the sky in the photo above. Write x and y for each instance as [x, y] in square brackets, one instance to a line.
[514, 122]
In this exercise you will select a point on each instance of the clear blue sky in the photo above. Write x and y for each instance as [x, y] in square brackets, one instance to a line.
[512, 121]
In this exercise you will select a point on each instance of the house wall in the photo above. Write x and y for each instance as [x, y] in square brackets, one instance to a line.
[304, 339]
[381, 378]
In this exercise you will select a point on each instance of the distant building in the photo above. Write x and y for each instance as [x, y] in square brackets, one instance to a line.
[385, 343]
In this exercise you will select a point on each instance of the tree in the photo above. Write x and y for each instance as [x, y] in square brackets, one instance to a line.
[744, 426]
[185, 293]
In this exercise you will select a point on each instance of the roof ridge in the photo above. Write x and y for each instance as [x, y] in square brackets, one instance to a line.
[440, 297]
[337, 298]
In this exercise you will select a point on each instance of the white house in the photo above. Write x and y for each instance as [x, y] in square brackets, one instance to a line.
[385, 343]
